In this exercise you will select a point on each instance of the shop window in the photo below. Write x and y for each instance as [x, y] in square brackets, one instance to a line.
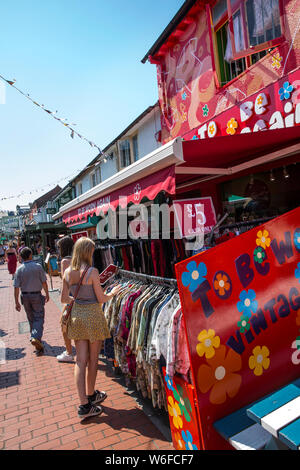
[243, 32]
[125, 157]
[135, 148]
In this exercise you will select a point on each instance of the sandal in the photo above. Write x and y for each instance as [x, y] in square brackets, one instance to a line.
[97, 397]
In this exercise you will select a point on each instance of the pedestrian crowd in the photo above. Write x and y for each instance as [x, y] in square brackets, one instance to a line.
[82, 320]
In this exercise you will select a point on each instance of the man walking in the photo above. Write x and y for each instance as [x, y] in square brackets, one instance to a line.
[31, 279]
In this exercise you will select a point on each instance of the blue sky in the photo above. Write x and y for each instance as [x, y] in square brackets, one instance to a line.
[82, 58]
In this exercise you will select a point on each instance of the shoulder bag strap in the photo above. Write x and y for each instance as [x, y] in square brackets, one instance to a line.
[80, 282]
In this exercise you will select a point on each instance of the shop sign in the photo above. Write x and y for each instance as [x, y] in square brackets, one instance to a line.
[78, 235]
[195, 216]
[108, 272]
[241, 307]
[276, 107]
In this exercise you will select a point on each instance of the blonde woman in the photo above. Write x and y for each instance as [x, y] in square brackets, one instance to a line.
[87, 326]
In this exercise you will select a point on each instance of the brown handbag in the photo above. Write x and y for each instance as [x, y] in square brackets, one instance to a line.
[68, 309]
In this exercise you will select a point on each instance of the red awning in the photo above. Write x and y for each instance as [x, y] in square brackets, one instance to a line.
[147, 187]
[228, 155]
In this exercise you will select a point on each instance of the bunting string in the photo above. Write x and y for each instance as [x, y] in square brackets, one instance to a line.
[39, 189]
[53, 114]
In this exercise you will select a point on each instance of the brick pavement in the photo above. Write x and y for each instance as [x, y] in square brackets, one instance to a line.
[38, 399]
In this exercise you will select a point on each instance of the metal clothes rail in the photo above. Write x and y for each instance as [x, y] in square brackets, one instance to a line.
[147, 278]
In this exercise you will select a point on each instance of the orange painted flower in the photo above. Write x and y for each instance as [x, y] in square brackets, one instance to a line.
[260, 360]
[219, 376]
[231, 126]
[221, 284]
[179, 442]
[260, 99]
[175, 413]
[263, 239]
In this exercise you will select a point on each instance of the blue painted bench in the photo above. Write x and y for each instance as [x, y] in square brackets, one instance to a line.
[272, 422]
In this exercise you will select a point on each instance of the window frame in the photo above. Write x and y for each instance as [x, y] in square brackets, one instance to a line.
[98, 178]
[246, 54]
[121, 150]
[135, 158]
[249, 50]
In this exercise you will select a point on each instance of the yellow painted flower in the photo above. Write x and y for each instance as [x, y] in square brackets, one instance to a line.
[208, 343]
[263, 239]
[276, 61]
[175, 413]
[231, 126]
[260, 100]
[260, 360]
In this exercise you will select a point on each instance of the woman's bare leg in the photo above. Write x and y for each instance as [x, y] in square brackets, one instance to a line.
[82, 360]
[68, 343]
[94, 349]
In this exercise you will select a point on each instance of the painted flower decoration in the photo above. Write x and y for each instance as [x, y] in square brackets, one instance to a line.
[208, 342]
[219, 376]
[205, 110]
[184, 96]
[231, 126]
[179, 441]
[260, 99]
[285, 91]
[244, 324]
[259, 255]
[183, 402]
[263, 239]
[247, 303]
[169, 382]
[194, 275]
[137, 191]
[175, 413]
[195, 137]
[297, 272]
[276, 61]
[212, 129]
[297, 239]
[188, 439]
[222, 285]
[260, 360]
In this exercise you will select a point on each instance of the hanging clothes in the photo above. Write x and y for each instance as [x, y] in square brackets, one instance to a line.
[145, 323]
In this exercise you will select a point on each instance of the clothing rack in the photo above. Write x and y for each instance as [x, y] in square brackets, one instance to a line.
[246, 223]
[147, 278]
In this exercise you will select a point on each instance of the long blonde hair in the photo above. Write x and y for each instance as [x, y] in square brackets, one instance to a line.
[82, 253]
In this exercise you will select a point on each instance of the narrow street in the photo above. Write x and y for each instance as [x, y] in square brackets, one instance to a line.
[39, 400]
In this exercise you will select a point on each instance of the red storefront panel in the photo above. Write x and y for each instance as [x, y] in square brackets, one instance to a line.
[183, 417]
[147, 187]
[241, 304]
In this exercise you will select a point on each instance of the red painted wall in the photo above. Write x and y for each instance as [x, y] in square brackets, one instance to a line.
[188, 92]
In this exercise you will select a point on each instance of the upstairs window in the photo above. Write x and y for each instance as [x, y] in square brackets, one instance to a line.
[96, 177]
[125, 156]
[243, 31]
[135, 148]
[79, 189]
[255, 25]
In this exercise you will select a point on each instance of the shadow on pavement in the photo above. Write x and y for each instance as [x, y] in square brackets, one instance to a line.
[123, 419]
[14, 354]
[54, 351]
[9, 379]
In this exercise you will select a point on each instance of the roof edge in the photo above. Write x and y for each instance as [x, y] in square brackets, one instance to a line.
[188, 4]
